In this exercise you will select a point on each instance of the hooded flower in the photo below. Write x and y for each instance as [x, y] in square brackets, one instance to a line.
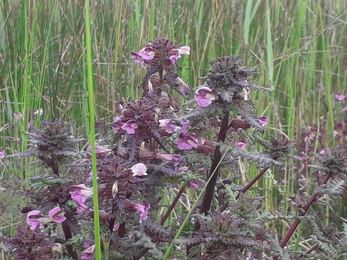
[33, 219]
[88, 253]
[144, 208]
[130, 126]
[36, 220]
[175, 158]
[187, 142]
[145, 54]
[57, 215]
[204, 96]
[79, 194]
[169, 127]
[139, 169]
[263, 120]
[2, 154]
[242, 145]
[340, 97]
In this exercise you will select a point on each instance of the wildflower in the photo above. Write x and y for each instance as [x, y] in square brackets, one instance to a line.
[195, 184]
[33, 219]
[98, 149]
[204, 96]
[185, 125]
[187, 142]
[39, 112]
[184, 86]
[169, 127]
[139, 169]
[242, 145]
[145, 54]
[36, 220]
[2, 154]
[88, 253]
[263, 120]
[144, 208]
[57, 215]
[184, 50]
[130, 126]
[79, 194]
[17, 115]
[246, 93]
[175, 158]
[340, 96]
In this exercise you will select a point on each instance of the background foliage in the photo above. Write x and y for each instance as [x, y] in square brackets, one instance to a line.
[298, 48]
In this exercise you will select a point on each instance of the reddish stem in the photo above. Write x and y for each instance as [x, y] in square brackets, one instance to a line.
[305, 208]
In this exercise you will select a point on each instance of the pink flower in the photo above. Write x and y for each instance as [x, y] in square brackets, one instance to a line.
[263, 120]
[185, 125]
[57, 215]
[99, 149]
[242, 145]
[204, 96]
[139, 169]
[88, 253]
[246, 93]
[33, 219]
[169, 127]
[184, 50]
[36, 220]
[144, 208]
[39, 112]
[195, 184]
[175, 158]
[184, 86]
[187, 142]
[2, 154]
[145, 54]
[340, 96]
[79, 194]
[130, 126]
[17, 115]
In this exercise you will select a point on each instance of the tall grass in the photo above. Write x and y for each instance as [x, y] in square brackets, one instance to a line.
[297, 46]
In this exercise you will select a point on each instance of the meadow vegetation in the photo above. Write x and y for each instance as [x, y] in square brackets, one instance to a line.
[253, 152]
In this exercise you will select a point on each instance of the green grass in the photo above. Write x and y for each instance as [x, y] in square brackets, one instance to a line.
[297, 46]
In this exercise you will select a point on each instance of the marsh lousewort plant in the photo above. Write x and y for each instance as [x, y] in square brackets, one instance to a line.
[163, 142]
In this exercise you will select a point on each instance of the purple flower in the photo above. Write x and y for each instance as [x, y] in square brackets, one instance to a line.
[33, 219]
[98, 149]
[57, 215]
[185, 125]
[263, 120]
[242, 145]
[144, 208]
[88, 253]
[184, 50]
[2, 154]
[169, 127]
[79, 194]
[130, 126]
[187, 142]
[145, 54]
[340, 96]
[39, 112]
[184, 86]
[17, 115]
[246, 93]
[195, 185]
[175, 158]
[139, 169]
[204, 96]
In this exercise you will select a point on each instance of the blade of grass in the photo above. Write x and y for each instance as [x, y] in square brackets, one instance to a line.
[92, 133]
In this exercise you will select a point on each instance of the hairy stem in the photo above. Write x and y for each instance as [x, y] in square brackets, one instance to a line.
[296, 223]
[173, 204]
[67, 232]
[209, 193]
